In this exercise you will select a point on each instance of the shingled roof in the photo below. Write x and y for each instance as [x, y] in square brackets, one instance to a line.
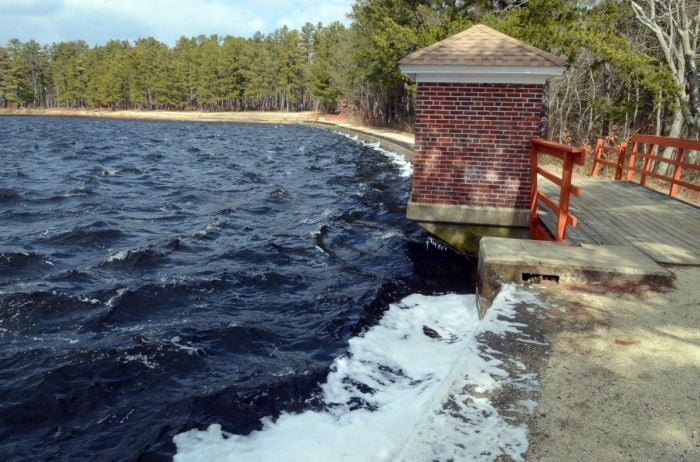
[482, 46]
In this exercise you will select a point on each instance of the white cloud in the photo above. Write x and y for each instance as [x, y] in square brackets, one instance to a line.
[96, 21]
[313, 11]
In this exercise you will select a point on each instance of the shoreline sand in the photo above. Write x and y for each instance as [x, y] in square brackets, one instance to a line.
[189, 116]
[399, 141]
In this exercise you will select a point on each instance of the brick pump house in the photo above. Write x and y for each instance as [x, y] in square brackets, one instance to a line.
[480, 97]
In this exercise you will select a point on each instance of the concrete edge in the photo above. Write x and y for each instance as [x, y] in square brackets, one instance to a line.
[466, 214]
[399, 147]
[494, 271]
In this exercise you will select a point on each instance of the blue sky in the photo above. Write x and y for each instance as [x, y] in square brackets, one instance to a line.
[97, 21]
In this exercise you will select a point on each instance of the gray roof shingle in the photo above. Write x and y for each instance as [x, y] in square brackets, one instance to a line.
[482, 46]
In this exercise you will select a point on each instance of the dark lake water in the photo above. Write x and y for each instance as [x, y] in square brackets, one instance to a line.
[157, 277]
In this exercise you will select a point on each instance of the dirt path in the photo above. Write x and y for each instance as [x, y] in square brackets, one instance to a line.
[622, 380]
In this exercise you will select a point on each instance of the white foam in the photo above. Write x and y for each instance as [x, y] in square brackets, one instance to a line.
[120, 292]
[396, 359]
[177, 342]
[420, 357]
[405, 167]
[119, 256]
[212, 227]
[474, 429]
[139, 358]
[390, 235]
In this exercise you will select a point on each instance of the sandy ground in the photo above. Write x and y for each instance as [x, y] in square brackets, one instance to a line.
[402, 137]
[622, 379]
[259, 117]
[252, 116]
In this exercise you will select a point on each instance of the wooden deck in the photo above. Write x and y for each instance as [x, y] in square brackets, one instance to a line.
[623, 213]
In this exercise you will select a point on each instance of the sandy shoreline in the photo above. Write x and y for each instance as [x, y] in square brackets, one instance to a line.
[193, 116]
[404, 139]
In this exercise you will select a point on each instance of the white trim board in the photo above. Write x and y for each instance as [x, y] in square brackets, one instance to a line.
[481, 74]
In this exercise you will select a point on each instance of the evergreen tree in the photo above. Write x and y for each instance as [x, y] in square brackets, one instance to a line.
[623, 74]
[232, 72]
[326, 69]
[68, 67]
[186, 71]
[4, 77]
[16, 86]
[149, 85]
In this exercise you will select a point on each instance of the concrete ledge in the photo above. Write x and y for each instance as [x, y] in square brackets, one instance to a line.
[503, 261]
[466, 214]
[399, 147]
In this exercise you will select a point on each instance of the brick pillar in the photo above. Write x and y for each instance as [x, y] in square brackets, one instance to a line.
[472, 148]
[480, 97]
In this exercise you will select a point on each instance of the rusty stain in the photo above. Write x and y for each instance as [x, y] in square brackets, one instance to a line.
[623, 342]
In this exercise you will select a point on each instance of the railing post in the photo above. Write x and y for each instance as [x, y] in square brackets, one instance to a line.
[656, 144]
[596, 156]
[534, 217]
[621, 160]
[630, 162]
[647, 164]
[569, 156]
[677, 170]
[564, 197]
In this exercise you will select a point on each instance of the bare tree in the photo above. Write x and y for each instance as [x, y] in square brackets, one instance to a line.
[676, 26]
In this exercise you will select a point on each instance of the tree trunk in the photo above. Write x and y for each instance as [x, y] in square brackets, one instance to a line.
[663, 168]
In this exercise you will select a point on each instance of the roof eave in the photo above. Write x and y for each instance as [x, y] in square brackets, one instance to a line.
[481, 74]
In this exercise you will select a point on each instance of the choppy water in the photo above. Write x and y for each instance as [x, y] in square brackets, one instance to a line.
[157, 277]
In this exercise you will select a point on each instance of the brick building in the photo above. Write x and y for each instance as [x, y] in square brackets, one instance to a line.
[480, 97]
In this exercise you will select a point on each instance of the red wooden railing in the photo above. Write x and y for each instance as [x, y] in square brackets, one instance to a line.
[653, 144]
[601, 148]
[569, 156]
[657, 142]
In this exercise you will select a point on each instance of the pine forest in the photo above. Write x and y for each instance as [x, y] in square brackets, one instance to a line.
[632, 65]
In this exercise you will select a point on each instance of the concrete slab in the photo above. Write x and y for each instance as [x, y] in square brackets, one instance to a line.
[468, 214]
[524, 261]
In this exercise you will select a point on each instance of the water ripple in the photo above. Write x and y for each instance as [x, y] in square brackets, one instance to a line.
[156, 277]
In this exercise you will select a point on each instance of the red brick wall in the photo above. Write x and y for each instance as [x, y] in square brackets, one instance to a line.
[472, 143]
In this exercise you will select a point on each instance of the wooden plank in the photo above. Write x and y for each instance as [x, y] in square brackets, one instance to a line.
[605, 235]
[623, 213]
[554, 208]
[677, 234]
[665, 141]
[611, 232]
[575, 190]
[573, 235]
[667, 179]
[676, 162]
[659, 247]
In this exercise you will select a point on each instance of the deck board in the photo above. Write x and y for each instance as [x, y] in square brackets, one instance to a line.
[624, 213]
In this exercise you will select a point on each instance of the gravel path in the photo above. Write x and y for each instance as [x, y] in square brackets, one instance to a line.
[621, 382]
